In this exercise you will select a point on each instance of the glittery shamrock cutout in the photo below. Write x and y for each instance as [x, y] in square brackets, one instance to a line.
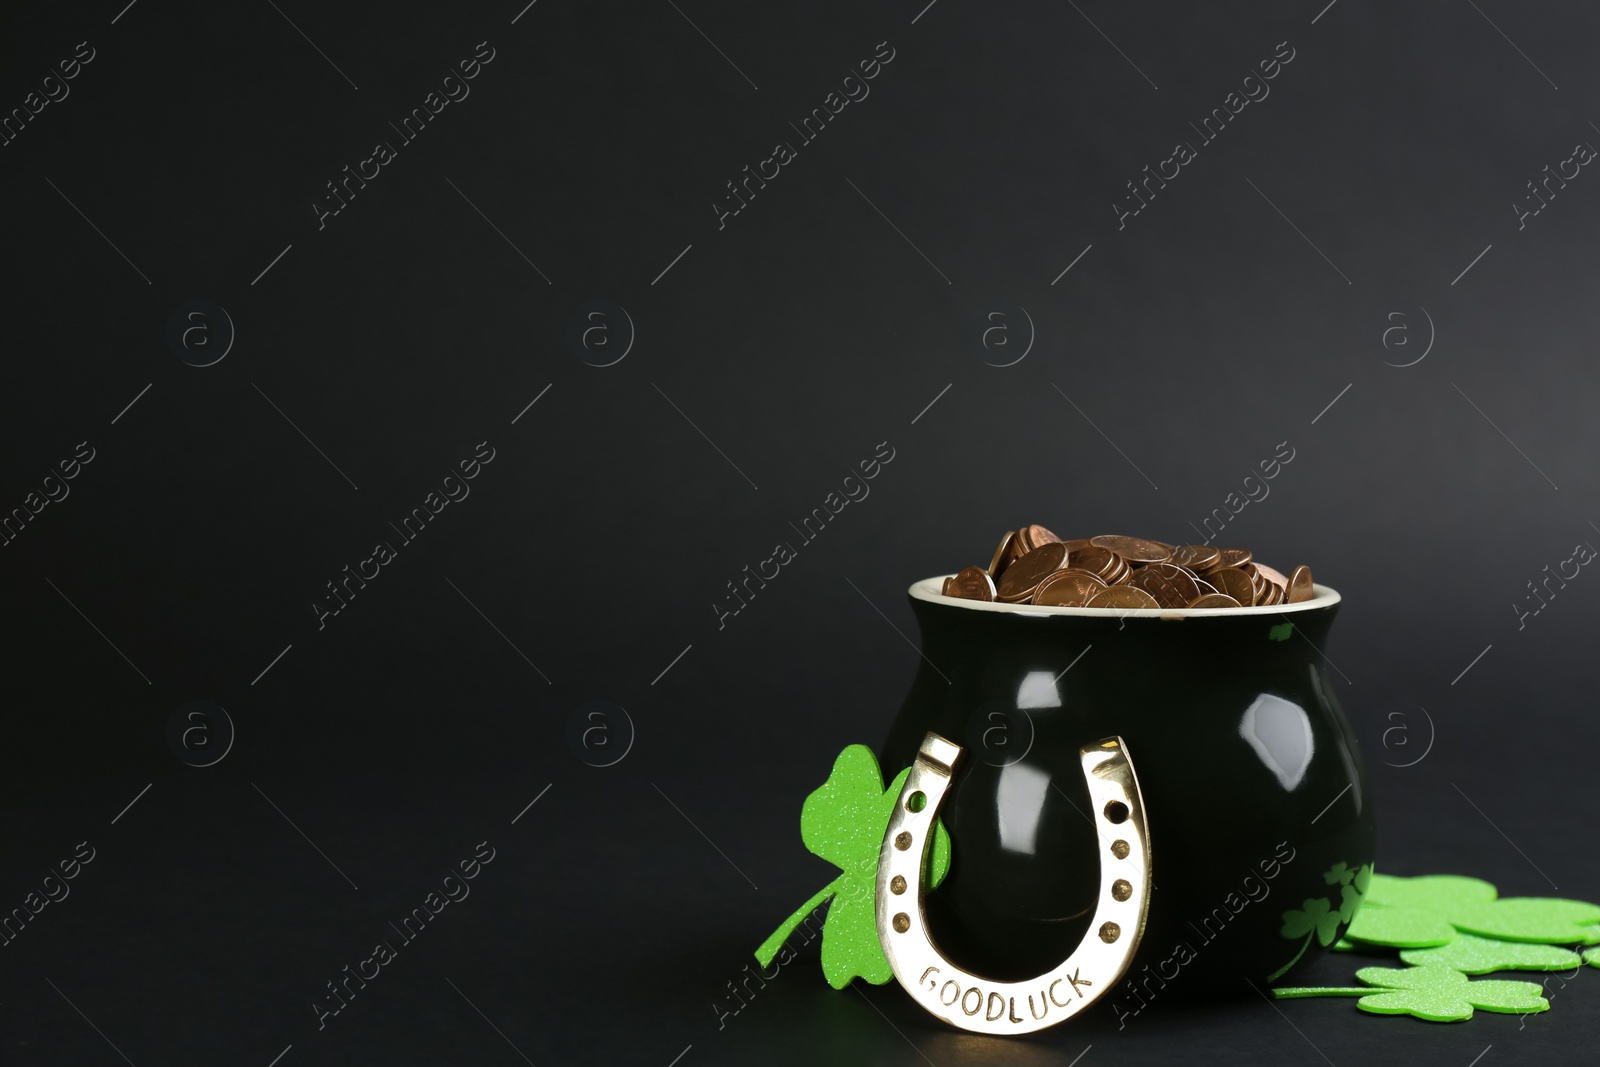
[1437, 892]
[1546, 919]
[1434, 992]
[1401, 926]
[1316, 914]
[1482, 955]
[843, 821]
[1415, 912]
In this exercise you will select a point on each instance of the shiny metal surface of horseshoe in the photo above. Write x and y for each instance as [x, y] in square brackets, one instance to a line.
[983, 1005]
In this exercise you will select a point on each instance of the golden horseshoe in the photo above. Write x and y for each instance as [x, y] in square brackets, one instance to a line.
[984, 1005]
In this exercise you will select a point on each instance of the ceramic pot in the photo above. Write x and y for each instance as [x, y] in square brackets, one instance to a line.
[1260, 810]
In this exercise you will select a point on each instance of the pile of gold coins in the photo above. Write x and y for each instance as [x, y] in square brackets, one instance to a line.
[1034, 566]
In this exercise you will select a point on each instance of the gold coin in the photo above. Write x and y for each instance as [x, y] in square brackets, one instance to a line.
[1122, 596]
[1197, 557]
[1077, 544]
[1033, 536]
[970, 583]
[1300, 585]
[1068, 588]
[1171, 585]
[1133, 549]
[1233, 582]
[1022, 577]
[1002, 555]
[1214, 600]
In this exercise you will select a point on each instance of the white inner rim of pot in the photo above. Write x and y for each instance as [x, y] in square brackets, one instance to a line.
[928, 589]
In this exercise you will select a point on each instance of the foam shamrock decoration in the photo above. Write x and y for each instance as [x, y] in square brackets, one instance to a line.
[1401, 926]
[1414, 912]
[1546, 919]
[1438, 892]
[1592, 957]
[843, 821]
[1482, 955]
[1429, 911]
[1434, 992]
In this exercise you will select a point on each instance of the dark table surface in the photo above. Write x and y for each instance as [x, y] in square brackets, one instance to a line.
[538, 330]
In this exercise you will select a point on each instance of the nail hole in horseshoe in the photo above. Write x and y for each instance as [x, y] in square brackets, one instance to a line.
[1109, 932]
[897, 885]
[1117, 811]
[902, 923]
[902, 840]
[917, 801]
[1121, 890]
[1119, 849]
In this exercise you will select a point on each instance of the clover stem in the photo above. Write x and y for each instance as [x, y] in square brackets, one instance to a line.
[769, 948]
[1281, 971]
[1290, 992]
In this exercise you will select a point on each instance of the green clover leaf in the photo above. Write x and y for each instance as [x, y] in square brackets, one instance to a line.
[1442, 994]
[1413, 912]
[1546, 919]
[1400, 926]
[1315, 914]
[843, 821]
[1592, 957]
[1434, 992]
[1349, 903]
[1437, 892]
[1481, 955]
[1363, 878]
[1339, 873]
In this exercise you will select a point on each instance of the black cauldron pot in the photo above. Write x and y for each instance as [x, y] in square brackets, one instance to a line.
[1260, 810]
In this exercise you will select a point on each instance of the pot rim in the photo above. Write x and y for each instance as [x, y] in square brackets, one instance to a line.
[928, 589]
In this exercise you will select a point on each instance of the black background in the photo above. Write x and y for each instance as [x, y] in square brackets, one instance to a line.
[770, 357]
